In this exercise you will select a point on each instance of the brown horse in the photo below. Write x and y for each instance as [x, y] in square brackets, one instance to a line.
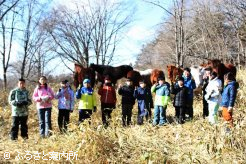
[155, 74]
[221, 69]
[173, 72]
[134, 76]
[80, 73]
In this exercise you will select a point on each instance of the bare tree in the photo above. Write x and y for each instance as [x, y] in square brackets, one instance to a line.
[32, 13]
[88, 32]
[7, 30]
[178, 16]
[6, 6]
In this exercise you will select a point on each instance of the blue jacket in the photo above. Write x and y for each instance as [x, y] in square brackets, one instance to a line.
[162, 96]
[65, 99]
[144, 98]
[229, 94]
[190, 84]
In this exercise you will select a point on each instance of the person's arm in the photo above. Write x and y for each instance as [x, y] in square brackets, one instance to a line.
[51, 94]
[35, 96]
[120, 90]
[232, 96]
[153, 88]
[78, 93]
[71, 99]
[135, 94]
[11, 98]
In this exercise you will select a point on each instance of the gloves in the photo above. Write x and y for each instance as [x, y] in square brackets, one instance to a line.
[25, 103]
[230, 109]
[19, 104]
[44, 98]
[95, 109]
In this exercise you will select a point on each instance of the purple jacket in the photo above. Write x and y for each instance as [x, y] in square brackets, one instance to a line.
[65, 99]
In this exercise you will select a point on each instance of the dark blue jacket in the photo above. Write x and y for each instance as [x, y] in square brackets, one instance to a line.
[144, 97]
[127, 95]
[190, 84]
[229, 94]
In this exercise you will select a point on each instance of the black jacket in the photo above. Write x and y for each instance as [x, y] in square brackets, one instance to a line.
[127, 93]
[181, 95]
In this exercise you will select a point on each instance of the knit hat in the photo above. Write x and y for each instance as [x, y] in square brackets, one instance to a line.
[86, 81]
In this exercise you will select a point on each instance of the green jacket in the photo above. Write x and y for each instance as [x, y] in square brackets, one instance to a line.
[19, 95]
[162, 94]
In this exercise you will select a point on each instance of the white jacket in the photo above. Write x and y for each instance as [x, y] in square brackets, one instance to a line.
[214, 90]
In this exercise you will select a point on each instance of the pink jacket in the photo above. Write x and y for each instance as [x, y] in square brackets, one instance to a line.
[40, 92]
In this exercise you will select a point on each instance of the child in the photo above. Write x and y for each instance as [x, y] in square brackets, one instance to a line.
[65, 97]
[87, 101]
[228, 97]
[108, 100]
[43, 95]
[19, 101]
[189, 82]
[213, 97]
[180, 99]
[162, 90]
[145, 101]
[127, 101]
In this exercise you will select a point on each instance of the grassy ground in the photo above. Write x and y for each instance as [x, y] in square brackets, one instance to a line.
[192, 142]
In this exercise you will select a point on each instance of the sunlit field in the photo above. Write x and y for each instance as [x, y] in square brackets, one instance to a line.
[193, 142]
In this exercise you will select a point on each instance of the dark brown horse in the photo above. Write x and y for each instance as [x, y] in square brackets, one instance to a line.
[134, 76]
[80, 73]
[115, 73]
[221, 69]
[173, 72]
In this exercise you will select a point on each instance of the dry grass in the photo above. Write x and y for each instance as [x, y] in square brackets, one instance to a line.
[193, 142]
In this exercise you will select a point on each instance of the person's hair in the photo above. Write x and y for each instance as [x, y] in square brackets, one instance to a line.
[214, 74]
[208, 69]
[187, 69]
[23, 80]
[45, 84]
[229, 76]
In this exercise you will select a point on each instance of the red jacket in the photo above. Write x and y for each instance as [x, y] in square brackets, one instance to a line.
[108, 95]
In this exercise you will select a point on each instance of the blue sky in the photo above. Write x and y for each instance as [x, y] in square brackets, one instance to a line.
[143, 29]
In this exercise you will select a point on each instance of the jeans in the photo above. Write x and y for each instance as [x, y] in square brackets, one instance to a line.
[44, 116]
[63, 119]
[159, 115]
[16, 121]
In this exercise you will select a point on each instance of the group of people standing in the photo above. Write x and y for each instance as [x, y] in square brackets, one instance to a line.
[183, 101]
[216, 94]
